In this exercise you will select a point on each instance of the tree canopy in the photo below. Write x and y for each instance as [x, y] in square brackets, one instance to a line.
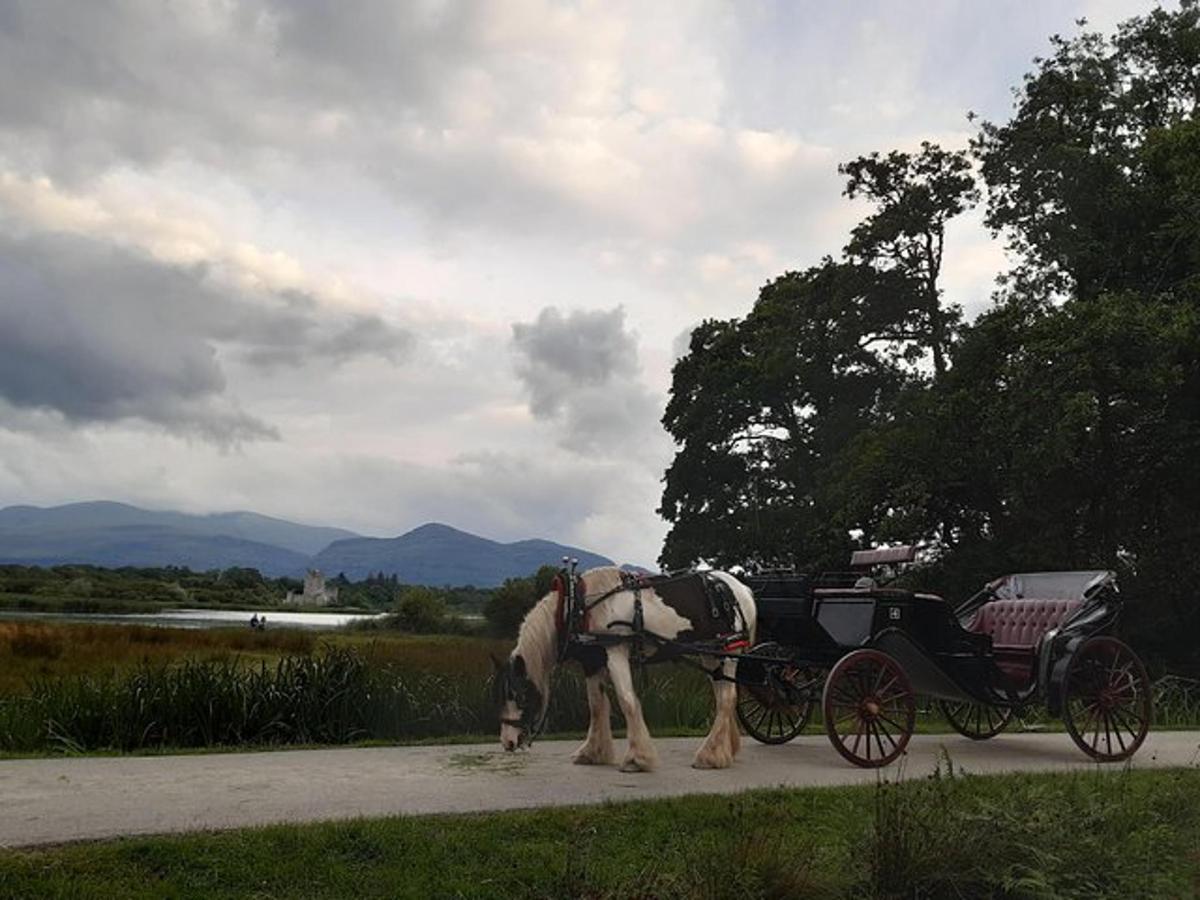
[853, 405]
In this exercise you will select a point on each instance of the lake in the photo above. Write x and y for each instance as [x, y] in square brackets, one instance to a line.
[199, 618]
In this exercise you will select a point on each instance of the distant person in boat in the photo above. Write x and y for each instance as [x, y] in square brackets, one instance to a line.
[254, 621]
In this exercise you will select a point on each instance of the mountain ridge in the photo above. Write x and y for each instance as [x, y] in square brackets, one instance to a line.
[439, 554]
[113, 534]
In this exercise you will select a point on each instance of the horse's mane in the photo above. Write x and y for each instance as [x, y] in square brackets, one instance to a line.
[536, 641]
[537, 638]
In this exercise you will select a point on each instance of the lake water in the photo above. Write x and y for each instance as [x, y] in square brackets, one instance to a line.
[201, 618]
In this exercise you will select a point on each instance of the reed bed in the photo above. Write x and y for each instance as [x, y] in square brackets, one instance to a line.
[337, 695]
[32, 651]
[87, 688]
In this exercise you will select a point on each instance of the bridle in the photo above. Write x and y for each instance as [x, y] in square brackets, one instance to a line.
[526, 734]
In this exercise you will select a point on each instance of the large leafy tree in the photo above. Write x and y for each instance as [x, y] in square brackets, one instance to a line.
[758, 405]
[761, 407]
[915, 195]
[1073, 176]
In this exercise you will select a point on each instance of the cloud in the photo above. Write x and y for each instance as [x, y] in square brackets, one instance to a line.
[285, 339]
[581, 373]
[594, 121]
[100, 333]
[558, 355]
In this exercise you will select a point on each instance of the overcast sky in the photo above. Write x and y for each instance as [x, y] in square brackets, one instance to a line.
[376, 264]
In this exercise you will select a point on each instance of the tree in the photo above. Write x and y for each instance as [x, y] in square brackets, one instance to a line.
[509, 604]
[421, 611]
[757, 407]
[241, 578]
[915, 195]
[1069, 177]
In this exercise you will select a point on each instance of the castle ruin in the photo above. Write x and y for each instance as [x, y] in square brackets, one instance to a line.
[316, 592]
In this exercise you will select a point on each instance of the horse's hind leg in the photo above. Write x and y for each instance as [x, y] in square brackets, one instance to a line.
[642, 757]
[597, 750]
[723, 740]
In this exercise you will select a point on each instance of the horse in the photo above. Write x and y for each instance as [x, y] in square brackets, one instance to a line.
[676, 614]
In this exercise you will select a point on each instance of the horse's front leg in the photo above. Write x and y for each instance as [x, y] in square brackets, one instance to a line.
[642, 757]
[597, 750]
[723, 740]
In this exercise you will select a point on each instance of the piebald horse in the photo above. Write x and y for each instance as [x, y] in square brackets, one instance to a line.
[671, 609]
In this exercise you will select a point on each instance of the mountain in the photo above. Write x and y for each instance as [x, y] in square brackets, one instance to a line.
[440, 555]
[104, 515]
[148, 547]
[116, 534]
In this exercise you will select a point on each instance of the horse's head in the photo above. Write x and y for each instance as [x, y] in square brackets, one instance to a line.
[519, 700]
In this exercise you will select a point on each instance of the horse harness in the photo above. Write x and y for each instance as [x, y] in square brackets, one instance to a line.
[703, 592]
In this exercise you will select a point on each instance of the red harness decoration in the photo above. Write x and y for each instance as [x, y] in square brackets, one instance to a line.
[560, 609]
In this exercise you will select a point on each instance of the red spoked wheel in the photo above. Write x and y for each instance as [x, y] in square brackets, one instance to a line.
[978, 721]
[869, 707]
[1106, 699]
[775, 695]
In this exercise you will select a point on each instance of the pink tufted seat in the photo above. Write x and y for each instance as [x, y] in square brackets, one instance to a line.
[1017, 628]
[1022, 623]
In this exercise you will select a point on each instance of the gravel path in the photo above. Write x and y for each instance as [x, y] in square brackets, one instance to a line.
[53, 800]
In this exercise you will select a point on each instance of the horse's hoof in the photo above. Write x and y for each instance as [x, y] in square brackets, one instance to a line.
[590, 759]
[632, 765]
[711, 762]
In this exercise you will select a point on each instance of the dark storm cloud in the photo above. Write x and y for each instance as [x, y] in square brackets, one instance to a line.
[581, 371]
[557, 355]
[286, 339]
[98, 333]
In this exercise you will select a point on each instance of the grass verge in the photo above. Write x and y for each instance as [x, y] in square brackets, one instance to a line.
[1091, 834]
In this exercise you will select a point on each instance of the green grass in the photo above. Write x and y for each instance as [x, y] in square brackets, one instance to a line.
[1085, 835]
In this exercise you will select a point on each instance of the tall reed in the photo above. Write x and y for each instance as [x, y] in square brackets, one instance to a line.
[334, 696]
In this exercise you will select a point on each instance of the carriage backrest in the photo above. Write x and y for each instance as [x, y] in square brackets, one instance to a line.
[1030, 604]
[1022, 623]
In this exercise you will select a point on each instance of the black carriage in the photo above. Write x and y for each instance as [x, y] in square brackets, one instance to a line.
[865, 652]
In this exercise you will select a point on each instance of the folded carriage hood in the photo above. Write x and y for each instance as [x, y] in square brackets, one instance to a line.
[1047, 585]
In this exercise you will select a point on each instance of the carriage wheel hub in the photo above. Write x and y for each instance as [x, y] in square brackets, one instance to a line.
[870, 708]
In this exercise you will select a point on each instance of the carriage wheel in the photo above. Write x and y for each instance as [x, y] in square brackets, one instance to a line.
[869, 708]
[1106, 699]
[978, 721]
[775, 696]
